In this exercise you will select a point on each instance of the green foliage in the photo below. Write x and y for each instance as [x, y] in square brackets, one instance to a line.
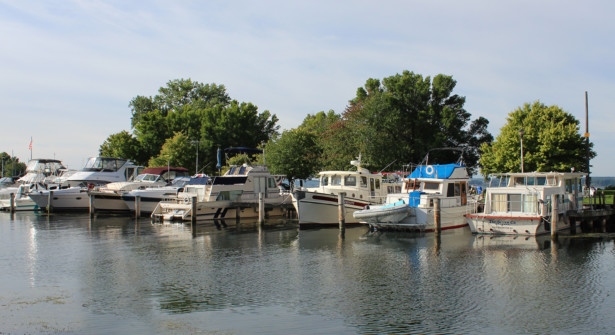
[205, 115]
[551, 142]
[399, 119]
[122, 145]
[11, 166]
[176, 151]
[294, 154]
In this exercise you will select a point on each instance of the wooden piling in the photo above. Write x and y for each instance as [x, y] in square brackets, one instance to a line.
[554, 215]
[137, 206]
[237, 214]
[12, 203]
[341, 213]
[49, 201]
[193, 211]
[261, 208]
[436, 216]
[92, 209]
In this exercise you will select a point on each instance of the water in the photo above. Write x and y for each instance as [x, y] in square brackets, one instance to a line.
[69, 274]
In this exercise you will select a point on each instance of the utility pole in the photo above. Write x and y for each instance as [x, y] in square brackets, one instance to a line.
[197, 155]
[588, 179]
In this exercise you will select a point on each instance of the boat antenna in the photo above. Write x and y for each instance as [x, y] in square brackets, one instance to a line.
[387, 166]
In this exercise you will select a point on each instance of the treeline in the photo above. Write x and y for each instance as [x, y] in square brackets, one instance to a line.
[391, 123]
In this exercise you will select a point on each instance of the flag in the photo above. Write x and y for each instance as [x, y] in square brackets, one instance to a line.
[30, 146]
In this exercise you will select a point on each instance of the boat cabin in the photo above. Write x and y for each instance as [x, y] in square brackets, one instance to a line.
[532, 193]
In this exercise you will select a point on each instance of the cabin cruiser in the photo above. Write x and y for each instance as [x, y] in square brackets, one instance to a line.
[147, 199]
[40, 174]
[521, 203]
[232, 195]
[108, 197]
[72, 194]
[413, 208]
[319, 205]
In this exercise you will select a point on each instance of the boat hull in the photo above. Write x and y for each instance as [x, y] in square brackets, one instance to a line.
[70, 199]
[512, 225]
[315, 208]
[423, 220]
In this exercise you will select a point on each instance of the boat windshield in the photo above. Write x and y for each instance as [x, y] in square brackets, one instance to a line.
[44, 166]
[104, 164]
[147, 177]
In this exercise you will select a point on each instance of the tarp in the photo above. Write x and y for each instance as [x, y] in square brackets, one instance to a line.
[440, 171]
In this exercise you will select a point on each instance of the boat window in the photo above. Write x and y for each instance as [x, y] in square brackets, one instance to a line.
[242, 170]
[271, 182]
[519, 181]
[229, 195]
[529, 203]
[377, 184]
[541, 181]
[569, 186]
[363, 181]
[530, 180]
[551, 181]
[457, 190]
[514, 202]
[498, 202]
[325, 181]
[231, 170]
[350, 181]
[450, 192]
[431, 186]
[336, 180]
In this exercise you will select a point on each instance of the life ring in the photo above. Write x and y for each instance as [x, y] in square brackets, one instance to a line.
[429, 170]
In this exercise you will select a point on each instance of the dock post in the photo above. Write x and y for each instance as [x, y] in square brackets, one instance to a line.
[193, 211]
[554, 210]
[12, 203]
[341, 213]
[92, 209]
[261, 208]
[436, 216]
[137, 206]
[49, 201]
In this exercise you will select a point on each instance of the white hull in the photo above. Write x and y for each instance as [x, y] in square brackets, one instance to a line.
[109, 202]
[517, 225]
[384, 214]
[322, 209]
[211, 210]
[69, 199]
[423, 219]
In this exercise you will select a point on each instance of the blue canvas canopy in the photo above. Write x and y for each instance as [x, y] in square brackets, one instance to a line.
[440, 171]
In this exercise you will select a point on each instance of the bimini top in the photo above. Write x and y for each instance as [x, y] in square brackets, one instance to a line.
[438, 171]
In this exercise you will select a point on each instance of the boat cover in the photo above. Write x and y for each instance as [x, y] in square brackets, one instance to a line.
[440, 171]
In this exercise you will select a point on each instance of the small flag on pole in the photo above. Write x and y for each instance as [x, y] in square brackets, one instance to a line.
[30, 146]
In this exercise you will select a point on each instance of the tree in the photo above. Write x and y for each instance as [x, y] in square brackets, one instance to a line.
[122, 145]
[402, 117]
[551, 142]
[176, 151]
[294, 154]
[11, 166]
[204, 113]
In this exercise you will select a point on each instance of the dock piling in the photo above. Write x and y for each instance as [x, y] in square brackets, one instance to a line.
[137, 206]
[92, 209]
[341, 213]
[436, 216]
[554, 215]
[261, 208]
[12, 203]
[193, 211]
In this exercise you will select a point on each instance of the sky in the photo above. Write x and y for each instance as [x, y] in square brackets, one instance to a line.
[68, 69]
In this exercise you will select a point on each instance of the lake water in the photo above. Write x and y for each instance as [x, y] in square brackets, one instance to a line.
[69, 274]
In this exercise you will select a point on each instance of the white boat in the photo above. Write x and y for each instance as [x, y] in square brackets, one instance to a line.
[150, 197]
[108, 197]
[72, 195]
[319, 205]
[40, 174]
[521, 203]
[413, 208]
[237, 190]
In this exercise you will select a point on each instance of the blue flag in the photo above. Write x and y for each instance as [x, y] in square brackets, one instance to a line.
[219, 165]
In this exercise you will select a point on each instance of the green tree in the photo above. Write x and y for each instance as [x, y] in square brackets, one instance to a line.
[122, 145]
[176, 151]
[294, 154]
[402, 117]
[551, 142]
[11, 166]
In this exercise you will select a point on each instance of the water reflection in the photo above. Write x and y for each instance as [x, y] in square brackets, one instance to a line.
[114, 274]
